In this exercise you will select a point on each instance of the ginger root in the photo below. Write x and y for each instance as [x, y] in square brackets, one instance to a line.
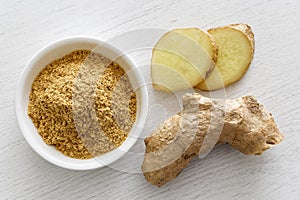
[243, 123]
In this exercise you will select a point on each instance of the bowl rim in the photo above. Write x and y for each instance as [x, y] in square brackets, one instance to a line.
[86, 164]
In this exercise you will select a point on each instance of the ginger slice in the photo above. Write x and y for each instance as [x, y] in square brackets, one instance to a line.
[236, 50]
[182, 58]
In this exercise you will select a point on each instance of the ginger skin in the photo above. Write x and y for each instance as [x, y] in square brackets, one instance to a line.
[243, 123]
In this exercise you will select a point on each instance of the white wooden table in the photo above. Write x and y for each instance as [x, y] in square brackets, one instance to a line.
[27, 26]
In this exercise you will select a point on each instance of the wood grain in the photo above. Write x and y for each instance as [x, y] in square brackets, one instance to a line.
[27, 26]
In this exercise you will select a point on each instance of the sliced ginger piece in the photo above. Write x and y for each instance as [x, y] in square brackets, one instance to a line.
[236, 49]
[182, 58]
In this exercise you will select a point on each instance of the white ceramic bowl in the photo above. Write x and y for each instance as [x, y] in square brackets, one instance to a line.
[57, 50]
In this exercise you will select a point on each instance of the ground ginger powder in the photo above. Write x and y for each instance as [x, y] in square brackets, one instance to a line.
[83, 104]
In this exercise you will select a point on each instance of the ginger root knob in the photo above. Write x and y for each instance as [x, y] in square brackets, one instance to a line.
[243, 123]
